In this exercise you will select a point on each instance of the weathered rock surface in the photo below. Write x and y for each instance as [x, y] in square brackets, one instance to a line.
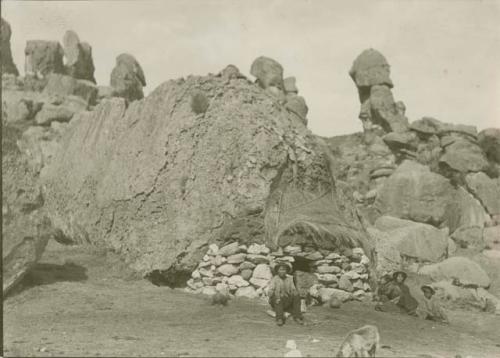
[127, 78]
[370, 68]
[486, 190]
[268, 72]
[421, 242]
[413, 192]
[290, 86]
[43, 57]
[463, 210]
[25, 229]
[466, 271]
[464, 156]
[131, 190]
[63, 85]
[8, 65]
[491, 237]
[384, 110]
[489, 141]
[79, 63]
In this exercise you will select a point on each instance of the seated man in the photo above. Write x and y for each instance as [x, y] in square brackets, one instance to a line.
[430, 308]
[283, 296]
[386, 289]
[406, 302]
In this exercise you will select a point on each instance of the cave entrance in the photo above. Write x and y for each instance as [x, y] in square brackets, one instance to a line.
[301, 264]
[171, 278]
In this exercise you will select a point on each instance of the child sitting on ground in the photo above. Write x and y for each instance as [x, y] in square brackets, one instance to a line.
[430, 308]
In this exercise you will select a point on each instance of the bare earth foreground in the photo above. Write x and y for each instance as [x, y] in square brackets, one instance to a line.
[83, 302]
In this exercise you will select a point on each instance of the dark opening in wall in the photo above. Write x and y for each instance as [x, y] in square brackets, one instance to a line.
[301, 264]
[171, 278]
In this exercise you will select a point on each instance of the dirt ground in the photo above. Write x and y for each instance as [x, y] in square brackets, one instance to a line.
[83, 302]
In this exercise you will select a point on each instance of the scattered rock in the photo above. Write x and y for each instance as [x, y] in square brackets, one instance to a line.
[238, 281]
[248, 292]
[268, 72]
[468, 236]
[290, 86]
[8, 65]
[259, 282]
[62, 85]
[467, 272]
[246, 274]
[489, 141]
[397, 141]
[231, 72]
[327, 278]
[228, 269]
[427, 126]
[236, 258]
[258, 259]
[262, 271]
[491, 237]
[247, 266]
[257, 249]
[413, 192]
[327, 269]
[127, 78]
[485, 189]
[370, 68]
[79, 62]
[50, 113]
[464, 156]
[327, 293]
[229, 249]
[43, 57]
[314, 256]
[465, 211]
[345, 284]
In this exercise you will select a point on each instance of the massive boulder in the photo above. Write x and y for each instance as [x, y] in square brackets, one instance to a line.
[268, 72]
[127, 78]
[159, 183]
[464, 156]
[42, 58]
[413, 192]
[486, 190]
[370, 68]
[461, 270]
[489, 140]
[385, 112]
[79, 63]
[8, 65]
[25, 229]
[464, 211]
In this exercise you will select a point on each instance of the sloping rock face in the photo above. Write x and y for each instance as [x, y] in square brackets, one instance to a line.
[413, 192]
[158, 182]
[8, 65]
[25, 229]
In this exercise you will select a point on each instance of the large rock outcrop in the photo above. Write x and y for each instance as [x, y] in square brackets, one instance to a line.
[79, 63]
[159, 181]
[8, 65]
[489, 140]
[127, 78]
[42, 58]
[371, 74]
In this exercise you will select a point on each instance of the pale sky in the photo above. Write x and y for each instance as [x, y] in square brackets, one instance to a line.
[444, 55]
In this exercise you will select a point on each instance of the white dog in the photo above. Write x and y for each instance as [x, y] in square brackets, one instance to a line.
[361, 342]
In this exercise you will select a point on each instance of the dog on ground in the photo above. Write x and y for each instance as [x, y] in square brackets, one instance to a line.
[361, 342]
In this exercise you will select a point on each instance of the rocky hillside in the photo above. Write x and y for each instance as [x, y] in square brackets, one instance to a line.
[222, 159]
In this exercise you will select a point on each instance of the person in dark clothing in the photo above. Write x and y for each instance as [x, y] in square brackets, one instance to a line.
[283, 295]
[406, 302]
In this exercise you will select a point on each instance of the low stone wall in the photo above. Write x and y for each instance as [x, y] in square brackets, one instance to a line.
[245, 271]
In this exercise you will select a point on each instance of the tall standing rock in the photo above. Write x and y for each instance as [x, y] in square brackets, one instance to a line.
[8, 65]
[43, 57]
[127, 78]
[79, 62]
[268, 72]
[371, 74]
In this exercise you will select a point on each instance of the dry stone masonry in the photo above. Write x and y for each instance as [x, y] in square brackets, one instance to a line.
[245, 271]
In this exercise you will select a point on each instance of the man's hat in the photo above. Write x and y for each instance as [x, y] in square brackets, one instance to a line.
[427, 287]
[284, 264]
[395, 275]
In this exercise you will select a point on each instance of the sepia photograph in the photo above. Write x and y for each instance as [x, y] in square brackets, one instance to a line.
[236, 178]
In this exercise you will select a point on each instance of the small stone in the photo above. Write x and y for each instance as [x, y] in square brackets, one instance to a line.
[345, 284]
[287, 258]
[209, 290]
[247, 266]
[292, 250]
[327, 269]
[228, 269]
[352, 275]
[196, 274]
[213, 249]
[358, 251]
[314, 256]
[259, 282]
[218, 260]
[206, 258]
[248, 292]
[366, 287]
[236, 258]
[327, 278]
[262, 271]
[359, 294]
[358, 284]
[333, 256]
[222, 288]
[205, 272]
[238, 281]
[257, 249]
[246, 274]
[229, 250]
[257, 259]
[365, 260]
[232, 288]
[322, 262]
[242, 248]
[277, 253]
[204, 264]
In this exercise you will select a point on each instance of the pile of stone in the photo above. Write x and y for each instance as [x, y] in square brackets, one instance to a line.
[245, 271]
[269, 74]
